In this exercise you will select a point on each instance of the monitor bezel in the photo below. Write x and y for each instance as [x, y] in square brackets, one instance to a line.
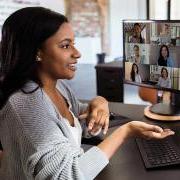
[141, 84]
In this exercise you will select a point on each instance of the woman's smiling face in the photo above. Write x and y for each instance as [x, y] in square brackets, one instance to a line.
[59, 55]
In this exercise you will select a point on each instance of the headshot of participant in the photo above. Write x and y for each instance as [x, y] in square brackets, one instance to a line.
[164, 80]
[164, 57]
[137, 58]
[135, 76]
[41, 120]
[137, 37]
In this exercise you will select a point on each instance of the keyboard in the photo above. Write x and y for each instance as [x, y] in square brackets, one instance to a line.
[160, 153]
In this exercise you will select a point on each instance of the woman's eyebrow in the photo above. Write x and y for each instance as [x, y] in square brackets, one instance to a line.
[66, 40]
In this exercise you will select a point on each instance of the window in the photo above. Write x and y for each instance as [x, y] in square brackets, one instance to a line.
[158, 9]
[175, 12]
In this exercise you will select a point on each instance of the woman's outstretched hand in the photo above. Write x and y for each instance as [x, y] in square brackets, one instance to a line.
[148, 131]
[132, 129]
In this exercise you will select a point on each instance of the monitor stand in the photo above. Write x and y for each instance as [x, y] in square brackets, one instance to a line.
[165, 111]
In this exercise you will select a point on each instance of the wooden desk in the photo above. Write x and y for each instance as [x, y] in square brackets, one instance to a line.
[127, 164]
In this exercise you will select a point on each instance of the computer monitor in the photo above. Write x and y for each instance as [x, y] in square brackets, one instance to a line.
[152, 59]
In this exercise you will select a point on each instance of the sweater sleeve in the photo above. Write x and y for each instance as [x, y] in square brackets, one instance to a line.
[45, 150]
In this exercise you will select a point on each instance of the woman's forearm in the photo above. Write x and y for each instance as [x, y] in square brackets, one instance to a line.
[111, 144]
[134, 128]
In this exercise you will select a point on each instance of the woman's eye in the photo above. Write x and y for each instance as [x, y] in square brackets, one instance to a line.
[66, 46]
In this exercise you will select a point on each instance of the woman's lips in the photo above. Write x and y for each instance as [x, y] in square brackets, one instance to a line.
[72, 67]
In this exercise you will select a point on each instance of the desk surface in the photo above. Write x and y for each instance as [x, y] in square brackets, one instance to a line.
[127, 164]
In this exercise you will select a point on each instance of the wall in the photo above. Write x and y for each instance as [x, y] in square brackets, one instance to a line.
[8, 7]
[56, 5]
[88, 47]
[84, 16]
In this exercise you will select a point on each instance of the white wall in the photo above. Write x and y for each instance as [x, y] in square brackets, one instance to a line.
[8, 7]
[56, 5]
[119, 10]
[88, 48]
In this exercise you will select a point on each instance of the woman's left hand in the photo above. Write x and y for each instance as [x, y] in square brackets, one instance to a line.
[97, 115]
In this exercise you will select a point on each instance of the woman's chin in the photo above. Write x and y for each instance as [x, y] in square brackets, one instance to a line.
[70, 76]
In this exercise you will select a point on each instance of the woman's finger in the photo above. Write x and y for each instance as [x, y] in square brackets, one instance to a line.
[92, 119]
[106, 125]
[104, 118]
[99, 118]
[83, 116]
[156, 135]
[91, 123]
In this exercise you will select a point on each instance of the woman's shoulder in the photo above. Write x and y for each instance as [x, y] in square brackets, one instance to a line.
[30, 94]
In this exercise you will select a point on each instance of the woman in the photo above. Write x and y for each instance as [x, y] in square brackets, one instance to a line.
[40, 126]
[164, 58]
[137, 58]
[135, 76]
[164, 80]
[136, 37]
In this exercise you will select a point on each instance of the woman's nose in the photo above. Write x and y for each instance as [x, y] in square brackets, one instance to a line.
[76, 53]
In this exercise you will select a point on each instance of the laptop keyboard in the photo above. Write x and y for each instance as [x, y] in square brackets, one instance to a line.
[160, 153]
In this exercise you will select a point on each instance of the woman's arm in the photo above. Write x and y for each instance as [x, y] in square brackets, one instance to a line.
[134, 128]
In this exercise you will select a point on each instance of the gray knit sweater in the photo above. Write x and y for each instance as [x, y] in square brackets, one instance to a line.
[40, 146]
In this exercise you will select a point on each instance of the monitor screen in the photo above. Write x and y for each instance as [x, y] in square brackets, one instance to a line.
[152, 54]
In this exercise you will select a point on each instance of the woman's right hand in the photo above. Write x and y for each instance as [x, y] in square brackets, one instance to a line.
[132, 129]
[148, 131]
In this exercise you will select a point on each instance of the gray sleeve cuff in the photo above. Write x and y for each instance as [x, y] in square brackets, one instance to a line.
[93, 162]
